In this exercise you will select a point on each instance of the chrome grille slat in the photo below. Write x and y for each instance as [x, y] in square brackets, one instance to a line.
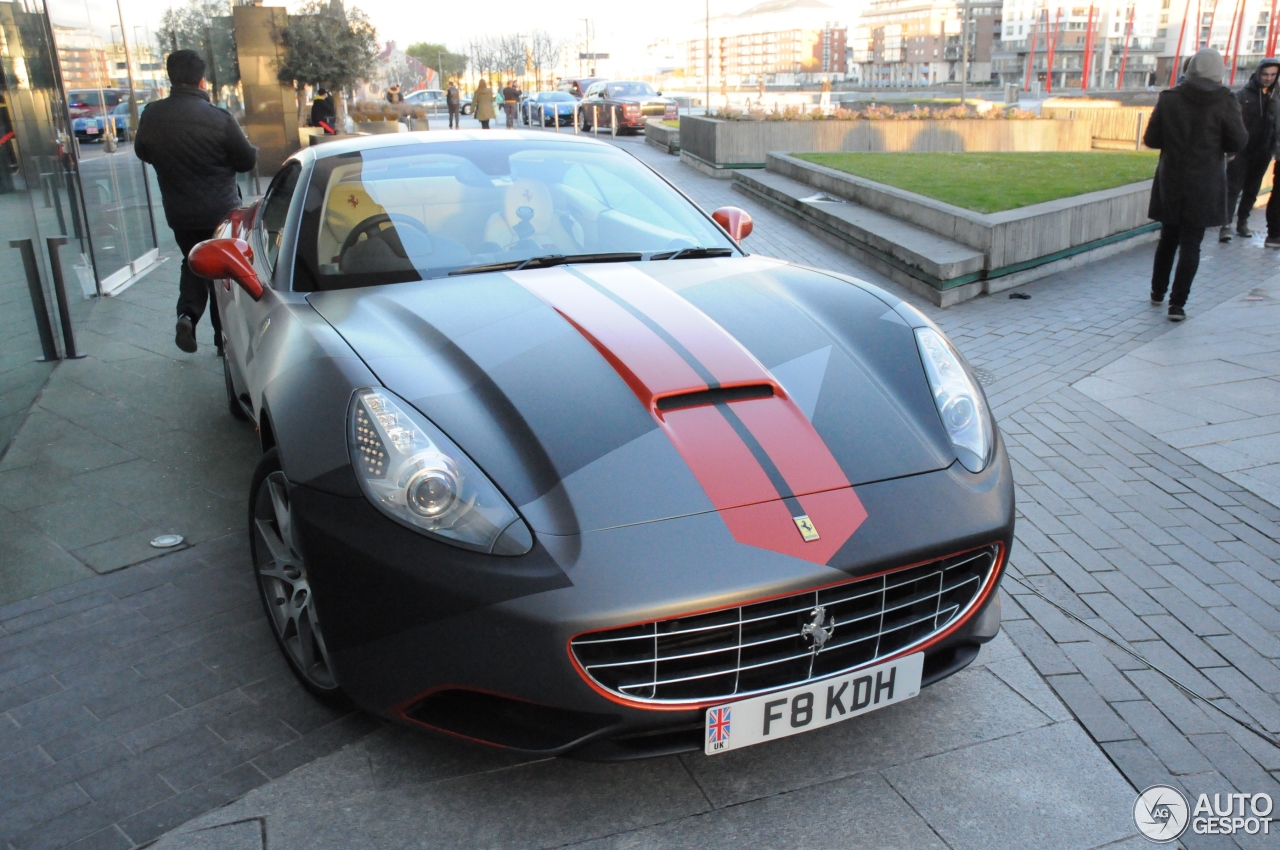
[752, 648]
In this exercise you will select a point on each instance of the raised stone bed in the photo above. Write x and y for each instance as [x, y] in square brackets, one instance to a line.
[946, 253]
[719, 147]
[661, 136]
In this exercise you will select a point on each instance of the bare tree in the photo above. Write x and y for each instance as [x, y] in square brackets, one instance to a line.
[544, 49]
[511, 56]
[484, 56]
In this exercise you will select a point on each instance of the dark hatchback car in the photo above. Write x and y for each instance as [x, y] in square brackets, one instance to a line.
[633, 103]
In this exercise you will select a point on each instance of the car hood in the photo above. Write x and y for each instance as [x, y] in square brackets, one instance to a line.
[572, 387]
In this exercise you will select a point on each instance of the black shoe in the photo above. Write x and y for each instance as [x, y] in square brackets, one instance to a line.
[1176, 314]
[221, 353]
[1224, 233]
[185, 335]
[1272, 242]
[1242, 229]
[1156, 302]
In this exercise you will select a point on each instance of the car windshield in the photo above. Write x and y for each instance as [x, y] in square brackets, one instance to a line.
[420, 211]
[557, 96]
[631, 90]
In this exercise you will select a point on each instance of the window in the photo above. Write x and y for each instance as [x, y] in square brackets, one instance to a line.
[275, 209]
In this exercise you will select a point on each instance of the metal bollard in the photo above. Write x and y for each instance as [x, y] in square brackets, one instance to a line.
[613, 121]
[576, 104]
[556, 120]
[595, 119]
[43, 325]
[1137, 136]
[60, 290]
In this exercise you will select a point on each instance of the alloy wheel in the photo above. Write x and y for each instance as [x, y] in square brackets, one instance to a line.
[286, 591]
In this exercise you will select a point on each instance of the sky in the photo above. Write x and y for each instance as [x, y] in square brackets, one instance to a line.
[623, 29]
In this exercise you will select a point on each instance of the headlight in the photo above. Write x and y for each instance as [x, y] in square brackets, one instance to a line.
[961, 404]
[413, 473]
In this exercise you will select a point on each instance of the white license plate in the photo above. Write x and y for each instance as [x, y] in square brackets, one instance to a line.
[735, 725]
[91, 129]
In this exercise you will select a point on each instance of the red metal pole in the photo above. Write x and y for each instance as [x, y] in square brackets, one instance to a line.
[1182, 33]
[1271, 30]
[1053, 44]
[1031, 58]
[1231, 31]
[1213, 14]
[1088, 52]
[1199, 21]
[1238, 32]
[1124, 57]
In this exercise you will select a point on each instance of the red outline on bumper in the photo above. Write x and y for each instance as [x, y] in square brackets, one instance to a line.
[979, 601]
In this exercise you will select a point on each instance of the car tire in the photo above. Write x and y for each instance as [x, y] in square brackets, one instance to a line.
[582, 121]
[466, 109]
[281, 574]
[233, 403]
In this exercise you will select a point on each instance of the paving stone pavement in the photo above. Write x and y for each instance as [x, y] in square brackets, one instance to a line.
[1143, 590]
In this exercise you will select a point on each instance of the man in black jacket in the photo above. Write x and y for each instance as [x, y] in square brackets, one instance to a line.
[196, 149]
[1245, 172]
[1194, 126]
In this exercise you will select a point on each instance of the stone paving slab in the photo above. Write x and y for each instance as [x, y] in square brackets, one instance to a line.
[1210, 388]
[895, 778]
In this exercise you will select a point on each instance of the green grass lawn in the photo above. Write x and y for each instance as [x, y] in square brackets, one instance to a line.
[671, 123]
[994, 182]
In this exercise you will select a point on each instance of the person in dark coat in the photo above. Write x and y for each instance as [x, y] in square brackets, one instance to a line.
[453, 100]
[1194, 126]
[196, 149]
[1244, 173]
[323, 112]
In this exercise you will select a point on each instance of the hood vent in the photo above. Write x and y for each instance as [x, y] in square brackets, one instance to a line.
[719, 395]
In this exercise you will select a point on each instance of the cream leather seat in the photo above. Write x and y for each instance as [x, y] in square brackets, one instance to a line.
[551, 230]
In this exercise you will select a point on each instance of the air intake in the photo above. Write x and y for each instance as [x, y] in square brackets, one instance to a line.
[719, 395]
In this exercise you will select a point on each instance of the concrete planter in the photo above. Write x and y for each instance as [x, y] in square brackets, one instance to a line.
[720, 147]
[661, 136]
[905, 235]
[375, 128]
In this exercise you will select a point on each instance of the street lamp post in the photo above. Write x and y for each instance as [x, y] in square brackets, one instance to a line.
[706, 58]
[964, 54]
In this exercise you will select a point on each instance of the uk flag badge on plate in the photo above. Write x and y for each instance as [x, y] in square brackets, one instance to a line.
[717, 728]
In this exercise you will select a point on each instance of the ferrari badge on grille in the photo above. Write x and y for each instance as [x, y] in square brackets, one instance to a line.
[807, 531]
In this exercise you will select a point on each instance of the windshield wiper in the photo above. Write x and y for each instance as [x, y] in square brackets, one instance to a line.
[552, 260]
[692, 254]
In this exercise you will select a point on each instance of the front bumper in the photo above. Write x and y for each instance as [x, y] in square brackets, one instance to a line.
[477, 646]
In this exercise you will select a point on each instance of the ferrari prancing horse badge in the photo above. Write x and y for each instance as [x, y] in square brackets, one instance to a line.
[807, 531]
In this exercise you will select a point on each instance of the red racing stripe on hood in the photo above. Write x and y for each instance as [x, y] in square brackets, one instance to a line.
[661, 345]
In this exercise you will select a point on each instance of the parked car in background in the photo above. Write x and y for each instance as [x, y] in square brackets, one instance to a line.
[551, 107]
[91, 126]
[433, 100]
[631, 100]
[577, 86]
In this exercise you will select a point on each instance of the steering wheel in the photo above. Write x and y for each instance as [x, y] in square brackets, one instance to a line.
[374, 222]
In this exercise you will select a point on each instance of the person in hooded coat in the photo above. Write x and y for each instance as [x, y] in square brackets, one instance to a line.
[1244, 173]
[1195, 126]
[482, 104]
[323, 111]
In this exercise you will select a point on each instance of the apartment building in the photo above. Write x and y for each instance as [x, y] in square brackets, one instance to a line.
[779, 41]
[921, 42]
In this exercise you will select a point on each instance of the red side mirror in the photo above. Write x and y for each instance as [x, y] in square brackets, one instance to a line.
[218, 259]
[735, 220]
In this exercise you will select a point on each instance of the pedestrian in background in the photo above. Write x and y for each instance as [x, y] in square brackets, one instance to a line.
[453, 100]
[1194, 126]
[1245, 171]
[323, 113]
[511, 100]
[393, 94]
[196, 149]
[482, 104]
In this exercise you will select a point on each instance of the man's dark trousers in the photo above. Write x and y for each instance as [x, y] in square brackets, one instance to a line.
[1185, 242]
[1273, 205]
[455, 122]
[195, 292]
[1244, 178]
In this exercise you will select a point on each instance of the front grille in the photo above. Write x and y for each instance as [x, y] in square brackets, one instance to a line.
[653, 109]
[736, 652]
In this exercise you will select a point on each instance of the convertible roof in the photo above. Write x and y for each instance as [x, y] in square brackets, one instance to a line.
[392, 140]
